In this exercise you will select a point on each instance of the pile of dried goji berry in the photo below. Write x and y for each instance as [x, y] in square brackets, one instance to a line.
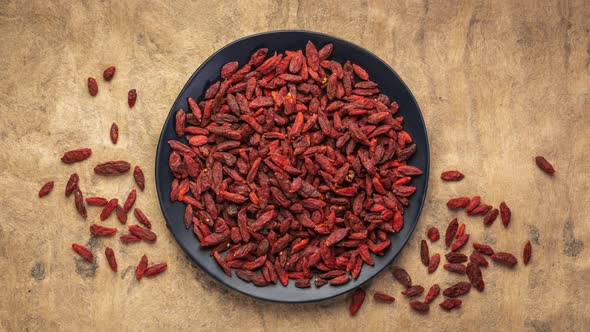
[136, 232]
[295, 165]
[456, 238]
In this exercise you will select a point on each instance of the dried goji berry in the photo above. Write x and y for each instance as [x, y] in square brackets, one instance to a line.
[139, 177]
[420, 306]
[483, 248]
[449, 304]
[46, 189]
[96, 201]
[433, 264]
[141, 267]
[424, 254]
[451, 176]
[504, 258]
[451, 231]
[402, 276]
[108, 208]
[358, 297]
[114, 133]
[380, 297]
[72, 184]
[544, 165]
[155, 269]
[112, 167]
[73, 156]
[110, 254]
[83, 252]
[413, 291]
[108, 74]
[433, 234]
[459, 289]
[432, 293]
[130, 200]
[92, 86]
[505, 214]
[131, 97]
[458, 203]
[98, 230]
[526, 255]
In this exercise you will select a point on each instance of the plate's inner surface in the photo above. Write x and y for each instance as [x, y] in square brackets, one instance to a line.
[240, 50]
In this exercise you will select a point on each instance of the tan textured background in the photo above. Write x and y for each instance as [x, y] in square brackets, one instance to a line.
[498, 82]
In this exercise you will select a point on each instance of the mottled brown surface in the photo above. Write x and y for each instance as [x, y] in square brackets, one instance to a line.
[498, 83]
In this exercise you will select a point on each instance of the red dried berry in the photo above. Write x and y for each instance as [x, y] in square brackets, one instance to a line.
[433, 264]
[451, 231]
[483, 248]
[459, 289]
[111, 258]
[449, 304]
[112, 167]
[432, 293]
[144, 234]
[480, 209]
[155, 269]
[98, 230]
[380, 297]
[46, 189]
[141, 267]
[490, 217]
[505, 214]
[108, 208]
[108, 74]
[504, 258]
[83, 252]
[402, 276]
[424, 254]
[130, 200]
[358, 297]
[473, 204]
[92, 86]
[420, 306]
[79, 202]
[96, 201]
[433, 234]
[121, 214]
[544, 165]
[114, 133]
[460, 230]
[141, 217]
[478, 259]
[139, 177]
[131, 98]
[461, 240]
[456, 257]
[451, 176]
[475, 276]
[526, 255]
[73, 156]
[455, 268]
[128, 238]
[413, 291]
[458, 203]
[72, 184]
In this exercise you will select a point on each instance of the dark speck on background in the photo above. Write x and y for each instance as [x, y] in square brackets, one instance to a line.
[534, 234]
[538, 325]
[38, 271]
[571, 246]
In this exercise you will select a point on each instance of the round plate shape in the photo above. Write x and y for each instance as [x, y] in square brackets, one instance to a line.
[240, 50]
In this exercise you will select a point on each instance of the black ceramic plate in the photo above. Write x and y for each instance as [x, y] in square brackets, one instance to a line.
[240, 50]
